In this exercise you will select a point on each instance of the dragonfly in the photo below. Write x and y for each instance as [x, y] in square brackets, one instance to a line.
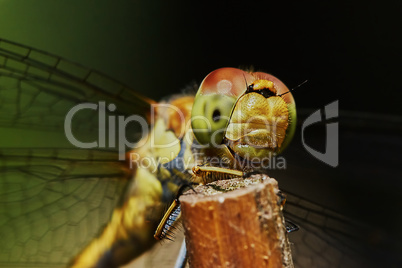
[99, 205]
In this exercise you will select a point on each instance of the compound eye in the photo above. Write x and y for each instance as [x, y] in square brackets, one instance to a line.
[215, 101]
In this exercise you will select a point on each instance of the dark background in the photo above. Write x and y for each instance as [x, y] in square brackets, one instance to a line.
[348, 52]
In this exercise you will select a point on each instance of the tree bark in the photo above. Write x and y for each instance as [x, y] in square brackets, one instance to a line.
[236, 223]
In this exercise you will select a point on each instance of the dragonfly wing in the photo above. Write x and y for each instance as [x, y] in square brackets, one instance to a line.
[329, 239]
[37, 89]
[55, 198]
[53, 202]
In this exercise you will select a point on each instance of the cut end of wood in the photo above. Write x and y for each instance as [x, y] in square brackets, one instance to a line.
[236, 223]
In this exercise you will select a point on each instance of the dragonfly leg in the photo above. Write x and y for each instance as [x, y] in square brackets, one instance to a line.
[209, 174]
[171, 216]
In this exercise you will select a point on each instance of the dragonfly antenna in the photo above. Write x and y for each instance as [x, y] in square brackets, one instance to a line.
[302, 83]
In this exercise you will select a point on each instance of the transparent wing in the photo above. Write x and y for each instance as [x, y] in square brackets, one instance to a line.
[55, 198]
[53, 202]
[37, 89]
[329, 239]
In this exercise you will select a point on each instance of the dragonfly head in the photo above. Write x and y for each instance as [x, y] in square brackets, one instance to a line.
[247, 112]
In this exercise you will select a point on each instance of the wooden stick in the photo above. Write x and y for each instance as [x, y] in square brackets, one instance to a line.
[240, 228]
